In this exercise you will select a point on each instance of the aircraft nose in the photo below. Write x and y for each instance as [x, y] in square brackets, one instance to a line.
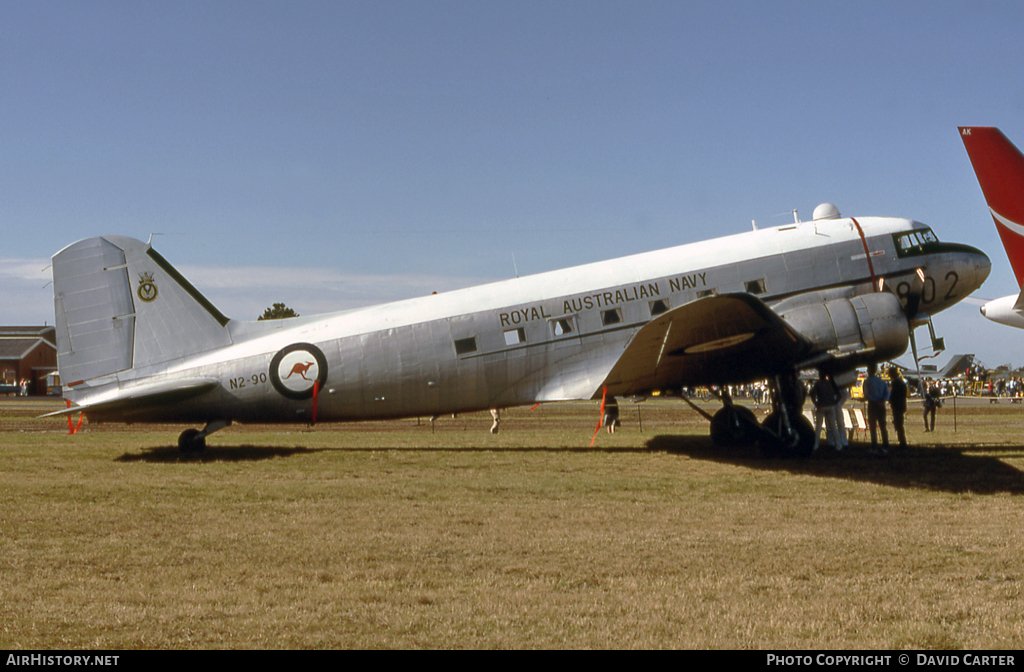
[982, 265]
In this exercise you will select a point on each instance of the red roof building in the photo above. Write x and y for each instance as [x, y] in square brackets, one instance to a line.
[27, 354]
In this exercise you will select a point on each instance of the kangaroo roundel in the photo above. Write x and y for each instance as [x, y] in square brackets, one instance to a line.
[295, 369]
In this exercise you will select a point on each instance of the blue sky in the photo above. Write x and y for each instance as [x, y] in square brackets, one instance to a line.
[335, 154]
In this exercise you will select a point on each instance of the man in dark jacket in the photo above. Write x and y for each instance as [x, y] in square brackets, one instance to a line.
[898, 403]
[931, 402]
[825, 395]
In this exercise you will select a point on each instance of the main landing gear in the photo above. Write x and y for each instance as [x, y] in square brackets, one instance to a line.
[194, 440]
[784, 433]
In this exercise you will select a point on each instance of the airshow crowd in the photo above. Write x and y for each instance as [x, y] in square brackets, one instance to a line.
[885, 395]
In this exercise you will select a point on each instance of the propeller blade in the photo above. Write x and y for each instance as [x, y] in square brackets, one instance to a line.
[914, 293]
[917, 365]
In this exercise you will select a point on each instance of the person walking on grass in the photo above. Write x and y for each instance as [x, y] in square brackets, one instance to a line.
[611, 415]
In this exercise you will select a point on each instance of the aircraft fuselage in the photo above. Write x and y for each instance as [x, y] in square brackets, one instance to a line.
[547, 337]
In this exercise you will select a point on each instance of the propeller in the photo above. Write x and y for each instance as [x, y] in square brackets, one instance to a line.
[911, 307]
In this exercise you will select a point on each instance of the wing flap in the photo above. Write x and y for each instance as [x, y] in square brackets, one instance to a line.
[723, 339]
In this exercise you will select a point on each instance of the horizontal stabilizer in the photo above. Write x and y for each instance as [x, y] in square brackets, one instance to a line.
[142, 397]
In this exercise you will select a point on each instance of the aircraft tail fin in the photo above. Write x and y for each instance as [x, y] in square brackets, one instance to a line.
[957, 365]
[999, 166]
[119, 305]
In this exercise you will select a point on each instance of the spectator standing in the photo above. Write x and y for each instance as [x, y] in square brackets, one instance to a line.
[825, 395]
[932, 401]
[898, 403]
[877, 393]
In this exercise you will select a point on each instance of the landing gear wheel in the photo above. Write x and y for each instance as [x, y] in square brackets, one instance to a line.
[778, 441]
[190, 442]
[803, 446]
[734, 426]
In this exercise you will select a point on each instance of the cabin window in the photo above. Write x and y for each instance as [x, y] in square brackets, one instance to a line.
[562, 326]
[610, 317]
[464, 346]
[658, 307]
[706, 292]
[755, 286]
[515, 336]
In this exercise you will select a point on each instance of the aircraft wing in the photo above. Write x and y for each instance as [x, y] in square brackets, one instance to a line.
[728, 338]
[140, 398]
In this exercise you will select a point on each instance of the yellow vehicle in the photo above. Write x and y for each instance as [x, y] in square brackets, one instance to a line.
[857, 389]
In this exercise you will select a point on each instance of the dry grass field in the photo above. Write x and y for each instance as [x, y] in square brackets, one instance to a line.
[404, 535]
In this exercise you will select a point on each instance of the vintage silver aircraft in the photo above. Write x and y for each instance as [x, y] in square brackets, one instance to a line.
[138, 343]
[999, 166]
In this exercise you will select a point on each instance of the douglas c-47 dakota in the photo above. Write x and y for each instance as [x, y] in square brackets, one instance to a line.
[138, 343]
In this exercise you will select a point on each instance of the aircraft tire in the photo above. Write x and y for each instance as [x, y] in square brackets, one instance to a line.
[772, 443]
[804, 445]
[190, 442]
[734, 426]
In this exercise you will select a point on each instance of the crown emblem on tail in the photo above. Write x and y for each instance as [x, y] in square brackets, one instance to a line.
[147, 288]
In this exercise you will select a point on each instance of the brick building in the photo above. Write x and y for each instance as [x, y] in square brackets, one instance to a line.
[27, 353]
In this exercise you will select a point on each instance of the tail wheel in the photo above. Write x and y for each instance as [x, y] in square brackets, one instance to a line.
[190, 441]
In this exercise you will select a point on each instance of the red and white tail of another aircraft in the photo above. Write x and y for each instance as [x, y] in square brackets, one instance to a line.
[999, 166]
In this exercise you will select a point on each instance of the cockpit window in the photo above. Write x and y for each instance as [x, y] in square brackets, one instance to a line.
[911, 243]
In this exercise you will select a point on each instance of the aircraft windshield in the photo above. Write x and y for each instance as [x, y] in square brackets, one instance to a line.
[918, 241]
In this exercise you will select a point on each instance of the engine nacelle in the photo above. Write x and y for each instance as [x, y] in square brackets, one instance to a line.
[864, 328]
[1004, 311]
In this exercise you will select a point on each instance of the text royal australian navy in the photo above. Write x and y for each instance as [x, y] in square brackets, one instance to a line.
[604, 299]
